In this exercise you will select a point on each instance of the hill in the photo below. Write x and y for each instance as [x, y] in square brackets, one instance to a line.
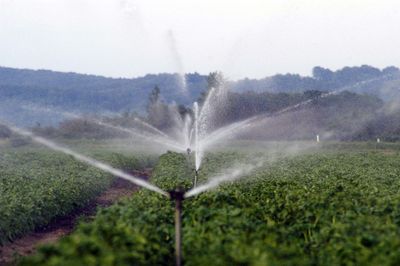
[22, 88]
[364, 79]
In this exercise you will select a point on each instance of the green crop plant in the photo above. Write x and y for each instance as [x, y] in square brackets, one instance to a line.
[37, 186]
[322, 209]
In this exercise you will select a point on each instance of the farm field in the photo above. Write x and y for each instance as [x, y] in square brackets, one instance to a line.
[208, 133]
[335, 205]
[38, 185]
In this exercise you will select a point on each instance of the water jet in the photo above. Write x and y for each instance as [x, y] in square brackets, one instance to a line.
[196, 176]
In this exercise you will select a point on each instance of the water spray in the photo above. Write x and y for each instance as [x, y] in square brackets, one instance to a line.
[196, 176]
[188, 159]
[199, 130]
[85, 159]
[196, 134]
[177, 195]
[153, 134]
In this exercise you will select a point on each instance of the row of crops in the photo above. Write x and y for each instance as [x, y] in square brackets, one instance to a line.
[37, 186]
[321, 209]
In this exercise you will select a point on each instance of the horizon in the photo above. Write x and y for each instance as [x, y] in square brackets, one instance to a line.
[189, 73]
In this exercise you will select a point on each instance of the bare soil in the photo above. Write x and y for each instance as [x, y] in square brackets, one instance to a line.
[62, 226]
[389, 152]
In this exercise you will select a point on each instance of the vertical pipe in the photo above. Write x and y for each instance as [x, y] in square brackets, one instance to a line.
[189, 159]
[178, 195]
[196, 175]
[178, 231]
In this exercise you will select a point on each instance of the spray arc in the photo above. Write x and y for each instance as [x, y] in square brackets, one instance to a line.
[196, 141]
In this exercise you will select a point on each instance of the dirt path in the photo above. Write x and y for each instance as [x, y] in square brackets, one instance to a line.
[63, 226]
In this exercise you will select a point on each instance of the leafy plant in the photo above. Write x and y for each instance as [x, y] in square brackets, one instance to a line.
[37, 186]
[322, 209]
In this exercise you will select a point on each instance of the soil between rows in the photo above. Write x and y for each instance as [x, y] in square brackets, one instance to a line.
[62, 226]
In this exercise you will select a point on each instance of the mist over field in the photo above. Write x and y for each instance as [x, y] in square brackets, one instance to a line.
[206, 132]
[368, 98]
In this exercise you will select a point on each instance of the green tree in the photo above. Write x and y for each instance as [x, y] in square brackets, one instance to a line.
[154, 98]
[215, 80]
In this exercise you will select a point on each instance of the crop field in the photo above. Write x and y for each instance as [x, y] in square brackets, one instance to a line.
[199, 133]
[337, 206]
[37, 185]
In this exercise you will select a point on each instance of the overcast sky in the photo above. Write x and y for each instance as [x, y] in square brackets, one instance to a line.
[253, 38]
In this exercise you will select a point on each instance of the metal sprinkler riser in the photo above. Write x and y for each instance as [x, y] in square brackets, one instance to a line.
[196, 176]
[177, 195]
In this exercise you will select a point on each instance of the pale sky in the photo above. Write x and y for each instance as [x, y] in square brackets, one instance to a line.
[253, 38]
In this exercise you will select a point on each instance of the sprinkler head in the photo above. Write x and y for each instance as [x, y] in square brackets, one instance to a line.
[177, 194]
[189, 151]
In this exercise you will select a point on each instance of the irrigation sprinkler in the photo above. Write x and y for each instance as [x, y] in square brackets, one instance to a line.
[177, 195]
[188, 152]
[196, 175]
[188, 159]
[196, 172]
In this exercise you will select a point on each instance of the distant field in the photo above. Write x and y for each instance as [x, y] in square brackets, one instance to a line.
[336, 204]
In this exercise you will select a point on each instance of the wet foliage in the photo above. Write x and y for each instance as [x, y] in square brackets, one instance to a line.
[37, 186]
[334, 208]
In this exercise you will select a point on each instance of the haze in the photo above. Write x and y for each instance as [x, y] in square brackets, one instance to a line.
[252, 38]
